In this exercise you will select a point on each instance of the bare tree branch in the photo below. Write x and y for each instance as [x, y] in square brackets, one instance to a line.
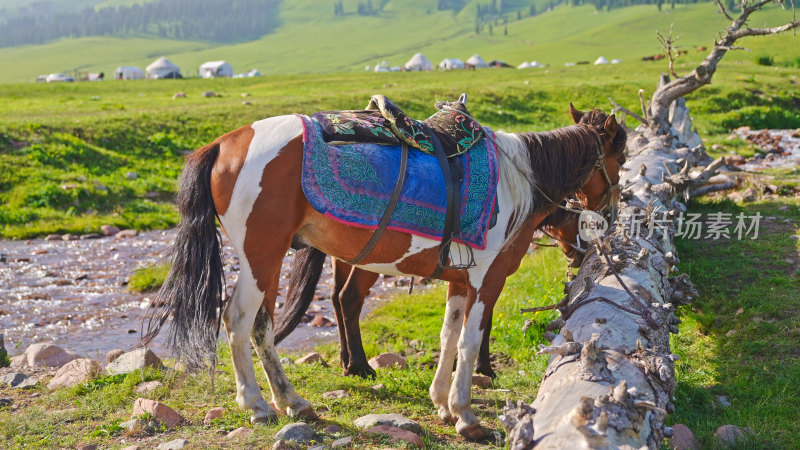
[624, 110]
[723, 10]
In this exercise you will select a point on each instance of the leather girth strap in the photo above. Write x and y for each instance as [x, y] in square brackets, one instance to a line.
[451, 171]
[387, 215]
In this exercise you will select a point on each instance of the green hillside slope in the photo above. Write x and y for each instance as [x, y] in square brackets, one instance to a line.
[311, 39]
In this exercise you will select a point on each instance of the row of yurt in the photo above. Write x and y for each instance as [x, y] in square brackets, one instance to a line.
[162, 68]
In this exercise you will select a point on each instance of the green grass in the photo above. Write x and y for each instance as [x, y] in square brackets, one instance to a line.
[312, 40]
[739, 337]
[148, 278]
[66, 150]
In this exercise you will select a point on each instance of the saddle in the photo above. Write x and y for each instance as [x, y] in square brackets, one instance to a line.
[449, 132]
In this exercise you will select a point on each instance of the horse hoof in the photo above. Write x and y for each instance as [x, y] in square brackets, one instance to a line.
[474, 432]
[307, 413]
[365, 372]
[488, 371]
[446, 417]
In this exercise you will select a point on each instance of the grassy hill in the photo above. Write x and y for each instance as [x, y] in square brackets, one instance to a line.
[311, 39]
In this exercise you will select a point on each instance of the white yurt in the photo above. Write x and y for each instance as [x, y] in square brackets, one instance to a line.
[451, 64]
[524, 65]
[214, 69]
[162, 68]
[536, 64]
[477, 62]
[418, 63]
[128, 73]
[616, 61]
[601, 60]
[382, 66]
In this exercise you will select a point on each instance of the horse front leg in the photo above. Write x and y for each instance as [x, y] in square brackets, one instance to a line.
[451, 328]
[480, 303]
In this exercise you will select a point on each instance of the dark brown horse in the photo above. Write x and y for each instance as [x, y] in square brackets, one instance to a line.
[251, 179]
[350, 282]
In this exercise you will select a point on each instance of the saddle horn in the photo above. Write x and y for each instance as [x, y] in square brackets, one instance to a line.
[463, 99]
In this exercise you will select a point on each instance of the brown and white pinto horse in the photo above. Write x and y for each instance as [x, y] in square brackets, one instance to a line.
[250, 179]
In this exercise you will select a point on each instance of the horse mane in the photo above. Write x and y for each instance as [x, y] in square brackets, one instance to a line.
[559, 162]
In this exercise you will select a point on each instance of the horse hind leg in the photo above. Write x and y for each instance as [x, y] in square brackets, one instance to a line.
[238, 316]
[284, 396]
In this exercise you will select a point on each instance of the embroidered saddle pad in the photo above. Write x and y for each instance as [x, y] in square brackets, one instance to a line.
[383, 122]
[351, 183]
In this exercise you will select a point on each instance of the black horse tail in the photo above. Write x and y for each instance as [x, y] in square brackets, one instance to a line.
[192, 292]
[306, 271]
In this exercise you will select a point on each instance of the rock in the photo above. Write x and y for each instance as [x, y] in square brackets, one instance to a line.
[88, 447]
[134, 360]
[735, 160]
[17, 380]
[109, 230]
[208, 94]
[716, 147]
[47, 355]
[132, 447]
[148, 386]
[722, 401]
[332, 429]
[482, 381]
[74, 372]
[179, 94]
[750, 194]
[176, 444]
[298, 431]
[343, 442]
[157, 410]
[6, 401]
[280, 444]
[392, 420]
[241, 431]
[85, 237]
[311, 358]
[731, 333]
[320, 321]
[386, 360]
[112, 355]
[682, 438]
[341, 393]
[286, 361]
[397, 434]
[416, 344]
[53, 237]
[246, 103]
[19, 361]
[69, 237]
[729, 435]
[377, 387]
[213, 413]
[127, 234]
[131, 175]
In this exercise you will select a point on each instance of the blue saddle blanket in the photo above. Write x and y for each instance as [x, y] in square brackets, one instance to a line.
[352, 183]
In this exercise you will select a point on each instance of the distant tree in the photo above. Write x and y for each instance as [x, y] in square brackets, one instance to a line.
[491, 30]
[505, 31]
[532, 10]
[519, 15]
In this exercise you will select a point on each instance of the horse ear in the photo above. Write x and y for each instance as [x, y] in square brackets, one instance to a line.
[576, 115]
[611, 126]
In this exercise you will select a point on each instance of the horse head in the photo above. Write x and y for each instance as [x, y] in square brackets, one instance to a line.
[601, 192]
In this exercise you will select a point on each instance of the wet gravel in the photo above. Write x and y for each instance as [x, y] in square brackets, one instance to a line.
[74, 293]
[782, 147]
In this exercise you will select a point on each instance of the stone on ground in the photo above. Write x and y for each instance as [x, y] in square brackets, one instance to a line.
[18, 380]
[135, 425]
[157, 410]
[127, 234]
[280, 444]
[730, 435]
[386, 360]
[311, 358]
[332, 429]
[297, 431]
[148, 386]
[47, 355]
[112, 355]
[682, 438]
[343, 442]
[286, 361]
[176, 444]
[241, 431]
[320, 321]
[392, 420]
[74, 372]
[6, 401]
[482, 381]
[213, 413]
[131, 361]
[109, 230]
[397, 434]
[340, 393]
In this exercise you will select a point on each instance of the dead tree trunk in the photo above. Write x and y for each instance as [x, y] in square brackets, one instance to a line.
[611, 373]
